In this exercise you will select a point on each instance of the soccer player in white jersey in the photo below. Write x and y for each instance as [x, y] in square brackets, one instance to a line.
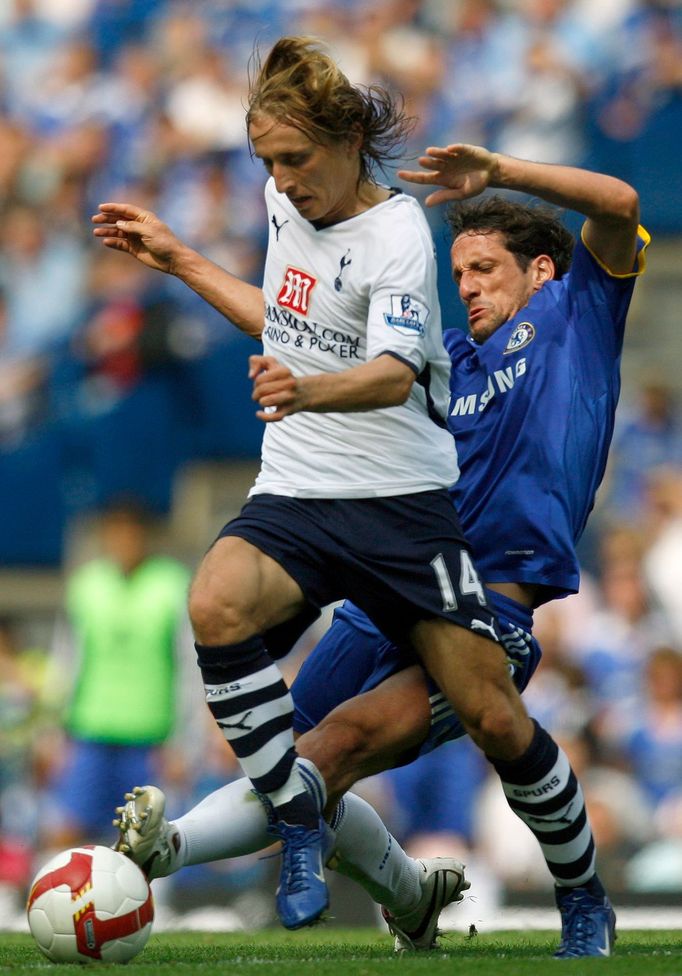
[547, 319]
[352, 497]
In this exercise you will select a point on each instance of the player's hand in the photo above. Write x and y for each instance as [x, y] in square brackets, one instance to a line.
[275, 388]
[126, 227]
[464, 171]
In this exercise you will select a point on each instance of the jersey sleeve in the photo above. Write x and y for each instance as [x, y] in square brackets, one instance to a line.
[404, 313]
[598, 300]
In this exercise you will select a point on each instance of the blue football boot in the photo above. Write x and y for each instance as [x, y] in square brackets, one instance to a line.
[588, 922]
[302, 894]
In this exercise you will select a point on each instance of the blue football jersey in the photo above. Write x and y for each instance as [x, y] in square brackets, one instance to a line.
[532, 412]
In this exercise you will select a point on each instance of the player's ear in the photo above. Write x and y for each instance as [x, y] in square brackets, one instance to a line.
[543, 270]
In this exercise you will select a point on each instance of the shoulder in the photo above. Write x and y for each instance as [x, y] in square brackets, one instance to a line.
[398, 229]
[455, 341]
[404, 209]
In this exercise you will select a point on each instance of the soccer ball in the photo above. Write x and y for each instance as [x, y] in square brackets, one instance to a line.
[90, 903]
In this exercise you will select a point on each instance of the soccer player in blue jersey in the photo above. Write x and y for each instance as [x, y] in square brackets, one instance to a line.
[534, 389]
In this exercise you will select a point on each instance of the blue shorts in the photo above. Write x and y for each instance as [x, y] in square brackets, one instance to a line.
[93, 782]
[353, 657]
[400, 558]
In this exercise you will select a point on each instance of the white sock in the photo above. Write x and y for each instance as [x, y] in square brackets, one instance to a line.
[368, 854]
[229, 822]
[314, 783]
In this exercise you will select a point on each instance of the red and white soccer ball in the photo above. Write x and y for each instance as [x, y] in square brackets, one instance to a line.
[90, 903]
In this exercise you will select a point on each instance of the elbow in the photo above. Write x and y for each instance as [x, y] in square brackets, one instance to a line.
[399, 387]
[407, 390]
[627, 205]
[404, 390]
[399, 393]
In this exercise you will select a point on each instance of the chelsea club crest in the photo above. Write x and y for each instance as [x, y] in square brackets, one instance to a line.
[523, 333]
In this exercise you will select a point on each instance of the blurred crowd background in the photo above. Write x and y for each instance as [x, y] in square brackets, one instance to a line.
[118, 382]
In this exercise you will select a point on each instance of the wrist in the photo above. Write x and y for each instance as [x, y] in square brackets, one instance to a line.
[496, 172]
[304, 399]
[183, 261]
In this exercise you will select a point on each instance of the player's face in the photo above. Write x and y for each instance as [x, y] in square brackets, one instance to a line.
[491, 284]
[320, 180]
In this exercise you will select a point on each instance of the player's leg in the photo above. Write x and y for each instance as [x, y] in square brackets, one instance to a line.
[230, 822]
[239, 593]
[540, 786]
[370, 732]
[383, 727]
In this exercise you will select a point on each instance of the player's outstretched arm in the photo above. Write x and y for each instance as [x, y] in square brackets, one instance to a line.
[381, 382]
[128, 228]
[610, 205]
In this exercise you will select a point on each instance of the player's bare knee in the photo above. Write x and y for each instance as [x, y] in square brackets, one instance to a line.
[499, 729]
[215, 620]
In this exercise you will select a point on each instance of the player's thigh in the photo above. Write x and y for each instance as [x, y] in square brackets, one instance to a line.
[372, 731]
[471, 670]
[238, 584]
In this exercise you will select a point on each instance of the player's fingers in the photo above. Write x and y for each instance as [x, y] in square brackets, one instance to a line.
[123, 211]
[119, 243]
[258, 363]
[442, 196]
[271, 415]
[415, 176]
[275, 390]
[131, 227]
[436, 152]
[462, 148]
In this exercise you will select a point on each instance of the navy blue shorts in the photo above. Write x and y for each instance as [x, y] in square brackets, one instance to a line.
[401, 559]
[353, 657]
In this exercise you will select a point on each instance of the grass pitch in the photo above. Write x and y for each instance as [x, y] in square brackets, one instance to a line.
[362, 952]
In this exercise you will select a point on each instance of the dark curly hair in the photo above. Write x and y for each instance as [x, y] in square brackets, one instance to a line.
[300, 85]
[527, 230]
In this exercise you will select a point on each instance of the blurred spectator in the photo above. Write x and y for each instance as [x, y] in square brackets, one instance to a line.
[41, 297]
[657, 866]
[25, 716]
[484, 40]
[123, 648]
[663, 558]
[43, 278]
[27, 42]
[126, 334]
[647, 435]
[619, 636]
[561, 63]
[648, 734]
[646, 69]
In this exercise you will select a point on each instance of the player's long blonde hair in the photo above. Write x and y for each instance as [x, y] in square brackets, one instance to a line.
[302, 86]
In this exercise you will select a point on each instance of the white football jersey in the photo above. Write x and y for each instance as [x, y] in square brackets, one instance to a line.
[336, 298]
